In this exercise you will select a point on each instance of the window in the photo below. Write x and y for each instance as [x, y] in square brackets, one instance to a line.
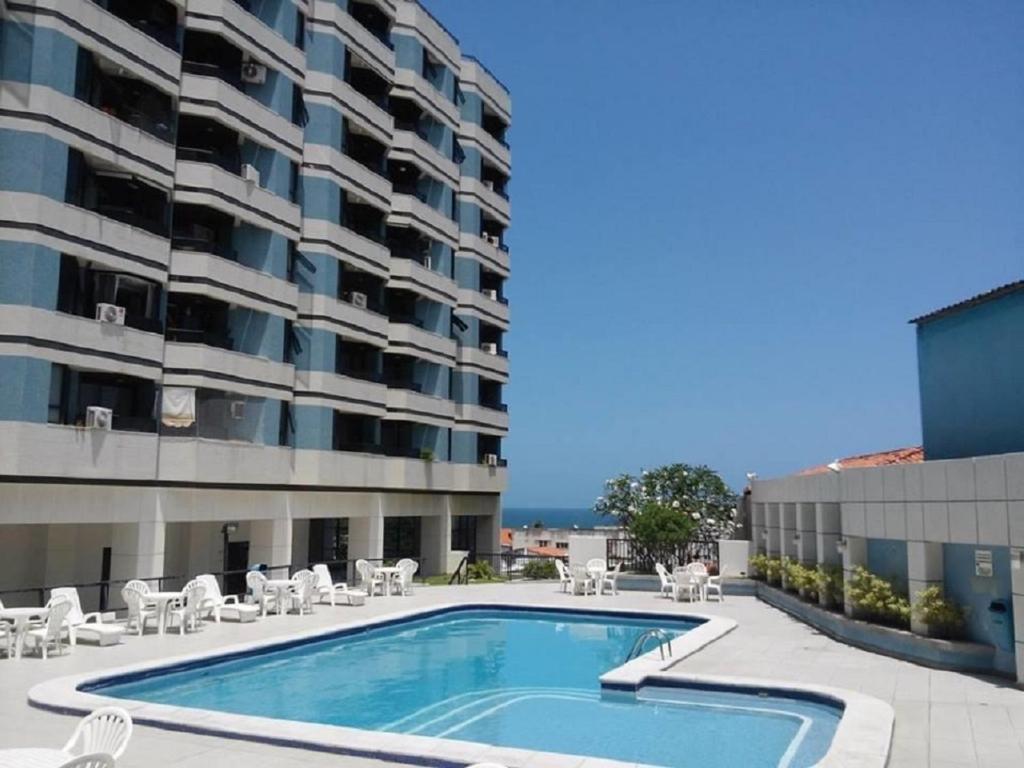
[57, 412]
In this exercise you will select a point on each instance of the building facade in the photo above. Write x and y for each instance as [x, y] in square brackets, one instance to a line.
[252, 304]
[954, 520]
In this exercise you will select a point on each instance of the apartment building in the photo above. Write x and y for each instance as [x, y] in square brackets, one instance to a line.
[252, 303]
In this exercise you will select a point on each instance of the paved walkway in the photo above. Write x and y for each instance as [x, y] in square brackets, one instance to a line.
[943, 719]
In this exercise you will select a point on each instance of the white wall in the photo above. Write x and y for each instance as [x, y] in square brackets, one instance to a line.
[584, 548]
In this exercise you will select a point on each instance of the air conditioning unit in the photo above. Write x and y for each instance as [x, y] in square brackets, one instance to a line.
[250, 174]
[428, 262]
[98, 417]
[237, 409]
[489, 185]
[253, 72]
[490, 348]
[491, 459]
[110, 313]
[359, 299]
[491, 294]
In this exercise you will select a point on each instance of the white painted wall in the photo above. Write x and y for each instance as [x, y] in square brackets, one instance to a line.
[584, 548]
[734, 557]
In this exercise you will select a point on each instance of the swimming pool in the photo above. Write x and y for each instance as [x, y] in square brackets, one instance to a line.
[523, 678]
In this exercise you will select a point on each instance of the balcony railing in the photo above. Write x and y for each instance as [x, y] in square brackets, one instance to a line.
[130, 216]
[228, 161]
[164, 33]
[401, 317]
[362, 374]
[133, 424]
[358, 447]
[399, 382]
[188, 241]
[403, 451]
[495, 406]
[231, 76]
[219, 339]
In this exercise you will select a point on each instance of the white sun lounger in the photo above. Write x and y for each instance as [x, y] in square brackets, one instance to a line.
[334, 591]
[222, 607]
[88, 626]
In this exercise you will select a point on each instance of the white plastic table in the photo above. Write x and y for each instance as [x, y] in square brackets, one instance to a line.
[32, 758]
[161, 600]
[281, 587]
[597, 574]
[21, 618]
[389, 572]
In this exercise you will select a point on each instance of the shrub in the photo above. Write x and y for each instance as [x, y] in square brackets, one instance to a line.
[773, 570]
[540, 569]
[759, 567]
[802, 579]
[943, 617]
[481, 571]
[873, 598]
[829, 582]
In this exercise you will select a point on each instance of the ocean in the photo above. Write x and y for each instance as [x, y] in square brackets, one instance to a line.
[553, 517]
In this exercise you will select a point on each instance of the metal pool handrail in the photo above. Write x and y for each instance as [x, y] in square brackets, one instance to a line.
[659, 634]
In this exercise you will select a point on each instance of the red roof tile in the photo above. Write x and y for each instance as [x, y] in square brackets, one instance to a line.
[506, 537]
[548, 551]
[912, 455]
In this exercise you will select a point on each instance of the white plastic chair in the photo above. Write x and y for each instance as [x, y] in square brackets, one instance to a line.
[263, 597]
[53, 630]
[369, 578]
[668, 584]
[138, 584]
[97, 760]
[106, 730]
[582, 581]
[88, 626]
[7, 638]
[564, 578]
[325, 588]
[139, 614]
[699, 570]
[303, 591]
[611, 579]
[219, 606]
[189, 606]
[403, 583]
[714, 584]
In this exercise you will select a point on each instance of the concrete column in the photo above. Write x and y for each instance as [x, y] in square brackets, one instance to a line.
[806, 530]
[366, 537]
[787, 528]
[435, 542]
[924, 569]
[61, 554]
[270, 542]
[137, 551]
[1017, 588]
[773, 543]
[758, 527]
[828, 532]
[854, 554]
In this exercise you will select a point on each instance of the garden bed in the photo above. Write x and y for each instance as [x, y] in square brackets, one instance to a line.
[932, 652]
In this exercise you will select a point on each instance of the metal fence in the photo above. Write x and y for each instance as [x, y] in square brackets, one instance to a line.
[508, 565]
[639, 559]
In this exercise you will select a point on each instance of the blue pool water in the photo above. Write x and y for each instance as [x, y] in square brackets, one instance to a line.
[518, 678]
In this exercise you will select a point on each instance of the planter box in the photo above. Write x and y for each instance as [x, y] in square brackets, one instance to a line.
[932, 652]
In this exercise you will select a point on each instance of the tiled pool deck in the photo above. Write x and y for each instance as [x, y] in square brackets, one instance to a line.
[943, 719]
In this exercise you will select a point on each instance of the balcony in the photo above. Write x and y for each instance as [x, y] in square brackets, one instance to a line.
[491, 148]
[208, 183]
[490, 200]
[408, 210]
[411, 275]
[491, 254]
[212, 91]
[483, 363]
[333, 469]
[201, 359]
[369, 116]
[343, 318]
[409, 146]
[157, 19]
[365, 29]
[125, 44]
[407, 338]
[349, 173]
[407, 404]
[203, 273]
[82, 287]
[488, 306]
[413, 86]
[83, 341]
[324, 236]
[482, 419]
[107, 193]
[337, 391]
[245, 31]
[211, 460]
[54, 450]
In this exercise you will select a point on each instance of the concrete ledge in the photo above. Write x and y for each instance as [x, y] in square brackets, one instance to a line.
[932, 652]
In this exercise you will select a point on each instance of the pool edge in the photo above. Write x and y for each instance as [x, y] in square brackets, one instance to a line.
[65, 695]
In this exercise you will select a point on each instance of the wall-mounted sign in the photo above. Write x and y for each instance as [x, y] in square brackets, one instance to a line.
[983, 563]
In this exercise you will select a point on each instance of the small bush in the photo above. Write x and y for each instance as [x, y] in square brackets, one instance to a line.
[802, 579]
[758, 567]
[943, 617]
[829, 582]
[773, 570]
[873, 598]
[540, 569]
[481, 571]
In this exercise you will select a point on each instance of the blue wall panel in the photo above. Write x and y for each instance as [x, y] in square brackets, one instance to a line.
[976, 593]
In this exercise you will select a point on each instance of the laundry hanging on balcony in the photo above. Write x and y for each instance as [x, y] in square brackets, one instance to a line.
[179, 407]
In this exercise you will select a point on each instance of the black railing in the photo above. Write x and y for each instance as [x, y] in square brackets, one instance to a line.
[636, 557]
[510, 565]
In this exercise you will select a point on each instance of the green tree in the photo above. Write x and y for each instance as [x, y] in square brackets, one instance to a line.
[660, 530]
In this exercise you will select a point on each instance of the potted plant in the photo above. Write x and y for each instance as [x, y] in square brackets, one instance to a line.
[938, 616]
[427, 454]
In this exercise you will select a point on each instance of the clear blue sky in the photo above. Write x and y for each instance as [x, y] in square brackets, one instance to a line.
[724, 213]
